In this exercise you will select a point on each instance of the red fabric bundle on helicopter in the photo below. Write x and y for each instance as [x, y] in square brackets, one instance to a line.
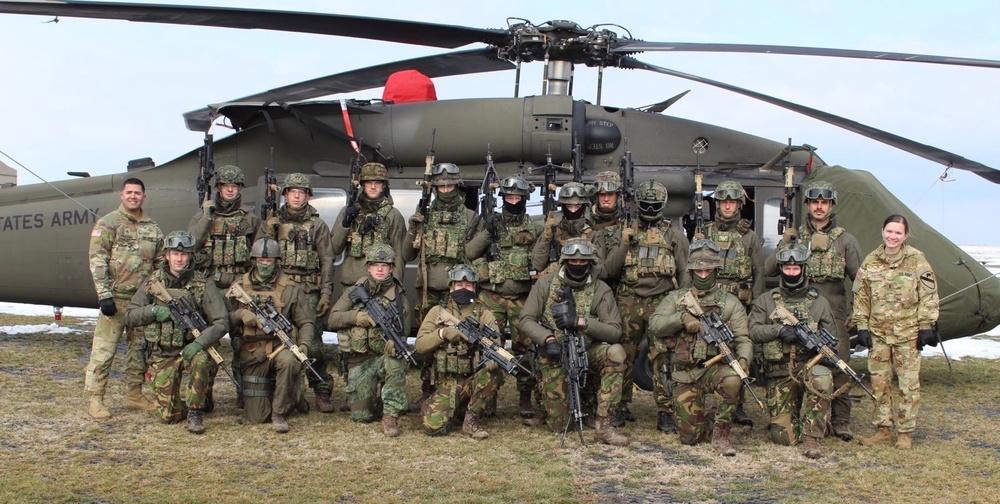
[409, 86]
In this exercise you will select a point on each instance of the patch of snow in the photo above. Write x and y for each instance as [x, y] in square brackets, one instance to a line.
[52, 328]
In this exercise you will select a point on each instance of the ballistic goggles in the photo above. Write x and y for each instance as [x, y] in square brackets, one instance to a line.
[700, 244]
[462, 273]
[792, 254]
[517, 183]
[573, 192]
[650, 207]
[728, 194]
[821, 193]
[179, 241]
[605, 186]
[575, 249]
[449, 168]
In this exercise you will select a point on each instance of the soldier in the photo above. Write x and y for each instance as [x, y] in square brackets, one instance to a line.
[459, 384]
[650, 260]
[306, 259]
[798, 396]
[270, 371]
[834, 255]
[574, 198]
[174, 349]
[223, 231]
[501, 253]
[606, 217]
[598, 322]
[674, 326]
[372, 362]
[896, 311]
[742, 271]
[372, 219]
[123, 247]
[439, 244]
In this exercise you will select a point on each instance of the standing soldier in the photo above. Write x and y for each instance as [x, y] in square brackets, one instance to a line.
[798, 396]
[371, 220]
[172, 347]
[306, 259]
[460, 386]
[123, 247]
[270, 370]
[742, 271]
[439, 243]
[223, 231]
[574, 198]
[501, 252]
[606, 217]
[835, 255]
[599, 324]
[650, 260]
[371, 361]
[673, 325]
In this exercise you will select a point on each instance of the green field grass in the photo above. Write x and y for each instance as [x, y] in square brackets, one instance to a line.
[50, 451]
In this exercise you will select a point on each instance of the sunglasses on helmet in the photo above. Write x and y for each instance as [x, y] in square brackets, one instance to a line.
[179, 241]
[794, 254]
[821, 193]
[449, 168]
[728, 194]
[700, 244]
[572, 249]
[573, 192]
[605, 186]
[514, 183]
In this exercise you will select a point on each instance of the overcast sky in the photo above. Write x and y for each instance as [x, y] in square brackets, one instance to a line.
[88, 95]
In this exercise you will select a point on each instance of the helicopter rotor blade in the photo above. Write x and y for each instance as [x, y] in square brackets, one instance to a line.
[925, 151]
[640, 46]
[390, 30]
[441, 65]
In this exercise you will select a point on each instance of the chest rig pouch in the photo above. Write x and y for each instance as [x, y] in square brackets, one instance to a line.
[651, 255]
[514, 259]
[583, 297]
[777, 350]
[826, 263]
[367, 230]
[228, 245]
[168, 337]
[295, 240]
[691, 348]
[368, 340]
[444, 236]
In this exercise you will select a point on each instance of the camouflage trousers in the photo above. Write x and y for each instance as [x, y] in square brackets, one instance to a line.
[606, 366]
[456, 394]
[316, 352]
[507, 312]
[104, 346]
[426, 365]
[268, 384]
[689, 401]
[841, 407]
[663, 386]
[795, 409]
[167, 374]
[895, 371]
[365, 374]
[635, 311]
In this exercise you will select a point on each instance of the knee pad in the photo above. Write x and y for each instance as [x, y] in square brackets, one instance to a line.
[616, 354]
[822, 379]
[730, 387]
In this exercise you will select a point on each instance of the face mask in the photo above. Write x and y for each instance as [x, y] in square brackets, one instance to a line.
[792, 282]
[266, 271]
[451, 196]
[703, 284]
[516, 208]
[463, 296]
[577, 271]
[573, 215]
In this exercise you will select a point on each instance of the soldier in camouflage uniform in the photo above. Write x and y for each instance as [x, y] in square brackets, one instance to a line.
[599, 324]
[172, 349]
[798, 396]
[572, 223]
[606, 216]
[223, 231]
[501, 254]
[742, 271]
[835, 256]
[673, 326]
[306, 259]
[650, 260]
[372, 219]
[896, 311]
[123, 247]
[270, 371]
[439, 244]
[460, 386]
[371, 361]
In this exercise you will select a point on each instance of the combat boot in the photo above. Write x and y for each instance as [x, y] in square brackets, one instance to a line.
[194, 421]
[279, 423]
[209, 402]
[882, 436]
[390, 425]
[904, 441]
[527, 410]
[665, 422]
[323, 402]
[607, 434]
[810, 448]
[96, 408]
[842, 429]
[627, 414]
[618, 418]
[741, 417]
[720, 440]
[536, 420]
[472, 428]
[134, 400]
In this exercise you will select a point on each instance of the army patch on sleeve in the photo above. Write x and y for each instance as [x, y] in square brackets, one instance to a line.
[96, 232]
[927, 279]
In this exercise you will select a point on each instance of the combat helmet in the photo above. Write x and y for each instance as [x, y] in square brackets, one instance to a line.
[179, 240]
[607, 182]
[516, 185]
[573, 193]
[229, 174]
[793, 253]
[297, 181]
[374, 171]
[265, 247]
[821, 190]
[578, 248]
[704, 256]
[462, 273]
[730, 190]
[445, 174]
[650, 197]
[380, 253]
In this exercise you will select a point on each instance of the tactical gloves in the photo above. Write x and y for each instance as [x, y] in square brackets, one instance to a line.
[865, 338]
[691, 323]
[927, 337]
[564, 317]
[323, 306]
[208, 207]
[416, 221]
[363, 319]
[490, 223]
[452, 334]
[787, 334]
[790, 235]
[304, 348]
[108, 307]
[161, 313]
[248, 317]
[350, 213]
[553, 349]
[491, 366]
[389, 349]
[190, 350]
[550, 225]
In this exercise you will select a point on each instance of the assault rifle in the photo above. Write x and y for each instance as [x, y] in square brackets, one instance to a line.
[574, 360]
[487, 206]
[272, 322]
[626, 172]
[270, 205]
[486, 338]
[715, 332]
[353, 189]
[577, 160]
[206, 170]
[549, 196]
[387, 319]
[823, 343]
[190, 319]
[424, 207]
[787, 218]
